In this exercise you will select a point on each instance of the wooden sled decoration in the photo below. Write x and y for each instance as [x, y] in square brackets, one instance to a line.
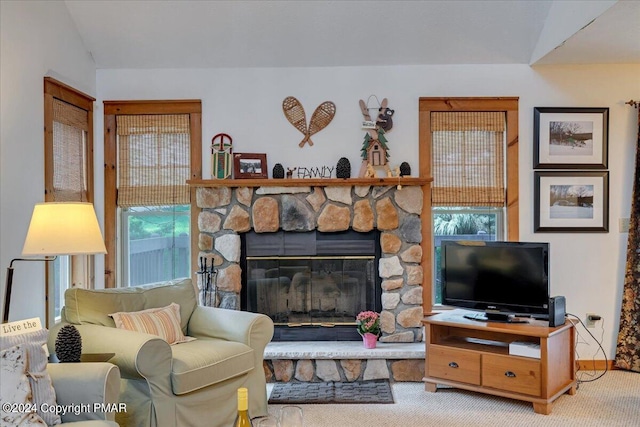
[221, 162]
[321, 117]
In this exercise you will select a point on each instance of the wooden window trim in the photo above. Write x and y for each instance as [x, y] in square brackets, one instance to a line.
[508, 105]
[192, 107]
[54, 89]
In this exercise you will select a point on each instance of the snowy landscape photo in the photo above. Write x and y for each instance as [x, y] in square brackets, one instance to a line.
[571, 138]
[571, 201]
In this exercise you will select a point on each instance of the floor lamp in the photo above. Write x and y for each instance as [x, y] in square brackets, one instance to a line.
[58, 228]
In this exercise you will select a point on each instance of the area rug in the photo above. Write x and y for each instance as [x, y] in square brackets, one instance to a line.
[376, 391]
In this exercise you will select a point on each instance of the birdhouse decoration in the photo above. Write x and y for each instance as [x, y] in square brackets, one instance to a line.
[375, 151]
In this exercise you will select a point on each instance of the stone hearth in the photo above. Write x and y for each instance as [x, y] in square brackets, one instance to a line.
[343, 361]
[225, 212]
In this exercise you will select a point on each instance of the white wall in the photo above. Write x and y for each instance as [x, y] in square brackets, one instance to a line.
[37, 39]
[247, 104]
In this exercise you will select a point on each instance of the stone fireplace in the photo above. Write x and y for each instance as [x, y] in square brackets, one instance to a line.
[235, 222]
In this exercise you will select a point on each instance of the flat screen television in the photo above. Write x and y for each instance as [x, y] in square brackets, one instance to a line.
[505, 280]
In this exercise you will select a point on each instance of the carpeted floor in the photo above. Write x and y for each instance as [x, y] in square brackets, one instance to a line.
[378, 391]
[613, 400]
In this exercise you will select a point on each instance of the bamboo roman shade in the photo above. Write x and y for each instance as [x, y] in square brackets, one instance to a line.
[468, 159]
[70, 128]
[153, 159]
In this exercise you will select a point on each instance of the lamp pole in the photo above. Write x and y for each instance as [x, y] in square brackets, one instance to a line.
[9, 283]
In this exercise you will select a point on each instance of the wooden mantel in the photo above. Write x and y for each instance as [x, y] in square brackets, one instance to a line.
[308, 182]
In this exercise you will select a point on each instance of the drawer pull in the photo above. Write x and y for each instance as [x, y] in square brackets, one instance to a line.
[453, 365]
[509, 374]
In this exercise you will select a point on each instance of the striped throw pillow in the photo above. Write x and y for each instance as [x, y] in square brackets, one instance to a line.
[163, 322]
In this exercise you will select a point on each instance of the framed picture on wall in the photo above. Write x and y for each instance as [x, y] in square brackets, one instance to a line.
[570, 138]
[567, 201]
[249, 165]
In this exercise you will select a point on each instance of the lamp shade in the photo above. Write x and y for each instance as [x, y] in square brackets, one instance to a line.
[64, 228]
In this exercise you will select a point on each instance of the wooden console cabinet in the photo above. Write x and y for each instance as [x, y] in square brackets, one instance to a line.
[474, 355]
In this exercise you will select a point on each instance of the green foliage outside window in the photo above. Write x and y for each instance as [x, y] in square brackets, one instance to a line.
[145, 224]
[463, 223]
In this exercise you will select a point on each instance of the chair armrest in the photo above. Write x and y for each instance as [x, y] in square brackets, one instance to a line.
[252, 329]
[85, 389]
[138, 355]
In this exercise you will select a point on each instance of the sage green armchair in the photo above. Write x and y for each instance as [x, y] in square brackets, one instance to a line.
[187, 384]
[82, 386]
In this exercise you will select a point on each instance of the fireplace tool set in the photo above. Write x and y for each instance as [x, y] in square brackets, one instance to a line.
[208, 283]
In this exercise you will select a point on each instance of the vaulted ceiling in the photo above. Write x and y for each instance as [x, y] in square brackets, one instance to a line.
[205, 34]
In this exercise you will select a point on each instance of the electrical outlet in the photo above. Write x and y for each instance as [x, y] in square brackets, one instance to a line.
[592, 319]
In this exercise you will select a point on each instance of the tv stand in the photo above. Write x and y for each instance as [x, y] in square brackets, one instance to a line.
[473, 355]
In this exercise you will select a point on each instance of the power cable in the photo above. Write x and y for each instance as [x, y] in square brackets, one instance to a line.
[606, 361]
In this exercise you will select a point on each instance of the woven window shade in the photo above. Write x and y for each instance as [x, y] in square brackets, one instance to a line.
[70, 127]
[153, 159]
[468, 159]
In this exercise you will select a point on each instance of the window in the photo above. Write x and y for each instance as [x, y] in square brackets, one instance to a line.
[151, 149]
[155, 243]
[462, 223]
[469, 147]
[68, 148]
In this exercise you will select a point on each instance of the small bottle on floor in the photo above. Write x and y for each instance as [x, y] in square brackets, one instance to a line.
[243, 420]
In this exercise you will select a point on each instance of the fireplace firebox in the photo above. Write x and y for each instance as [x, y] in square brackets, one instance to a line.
[311, 284]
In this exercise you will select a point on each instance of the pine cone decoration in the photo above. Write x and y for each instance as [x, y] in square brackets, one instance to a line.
[405, 169]
[343, 168]
[68, 344]
[278, 171]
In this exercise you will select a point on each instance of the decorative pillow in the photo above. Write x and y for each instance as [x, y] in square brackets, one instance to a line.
[163, 322]
[36, 364]
[15, 392]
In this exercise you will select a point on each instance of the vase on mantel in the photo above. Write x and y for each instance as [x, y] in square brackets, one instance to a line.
[369, 340]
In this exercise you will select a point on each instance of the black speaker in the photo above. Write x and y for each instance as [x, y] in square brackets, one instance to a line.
[557, 307]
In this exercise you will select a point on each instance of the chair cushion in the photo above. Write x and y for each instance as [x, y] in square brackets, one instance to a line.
[93, 306]
[206, 361]
[163, 322]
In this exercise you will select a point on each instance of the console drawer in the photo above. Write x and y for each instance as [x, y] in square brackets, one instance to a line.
[512, 374]
[454, 365]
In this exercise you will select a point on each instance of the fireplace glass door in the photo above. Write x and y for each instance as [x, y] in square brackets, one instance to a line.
[311, 291]
[312, 284]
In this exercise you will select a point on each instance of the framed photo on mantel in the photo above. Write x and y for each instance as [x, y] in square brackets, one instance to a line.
[570, 138]
[249, 165]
